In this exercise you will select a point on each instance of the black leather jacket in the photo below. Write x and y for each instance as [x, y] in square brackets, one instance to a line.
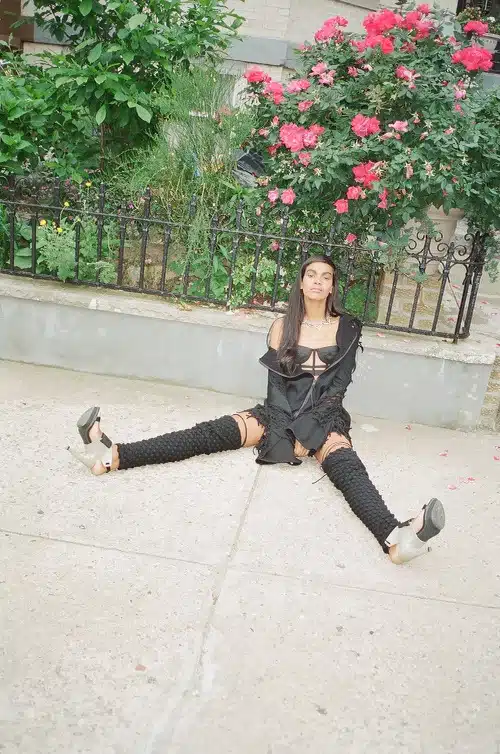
[317, 404]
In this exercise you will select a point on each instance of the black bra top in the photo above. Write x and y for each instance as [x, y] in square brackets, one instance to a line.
[326, 354]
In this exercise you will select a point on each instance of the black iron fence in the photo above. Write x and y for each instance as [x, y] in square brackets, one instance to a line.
[240, 257]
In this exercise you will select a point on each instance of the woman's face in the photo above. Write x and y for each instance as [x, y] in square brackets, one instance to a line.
[317, 283]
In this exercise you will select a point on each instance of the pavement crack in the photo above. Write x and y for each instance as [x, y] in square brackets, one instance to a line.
[105, 548]
[161, 742]
[319, 580]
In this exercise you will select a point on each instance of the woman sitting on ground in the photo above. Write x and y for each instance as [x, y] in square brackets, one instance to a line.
[310, 360]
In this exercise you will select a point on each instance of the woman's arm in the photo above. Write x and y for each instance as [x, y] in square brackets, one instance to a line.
[275, 334]
[343, 375]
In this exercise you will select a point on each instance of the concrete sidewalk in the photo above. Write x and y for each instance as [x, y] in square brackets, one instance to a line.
[215, 607]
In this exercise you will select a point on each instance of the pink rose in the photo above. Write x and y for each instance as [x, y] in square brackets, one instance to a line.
[288, 196]
[331, 30]
[424, 29]
[411, 19]
[275, 121]
[365, 174]
[274, 90]
[408, 47]
[386, 46]
[342, 206]
[327, 78]
[458, 108]
[273, 195]
[264, 132]
[381, 21]
[400, 125]
[407, 75]
[275, 246]
[387, 136]
[383, 199]
[305, 105]
[310, 139]
[474, 58]
[476, 27]
[403, 73]
[350, 238]
[449, 131]
[460, 93]
[364, 126]
[317, 129]
[305, 158]
[354, 192]
[256, 75]
[409, 169]
[359, 44]
[292, 136]
[424, 9]
[319, 68]
[298, 85]
[352, 71]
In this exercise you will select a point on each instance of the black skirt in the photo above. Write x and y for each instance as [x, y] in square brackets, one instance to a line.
[311, 429]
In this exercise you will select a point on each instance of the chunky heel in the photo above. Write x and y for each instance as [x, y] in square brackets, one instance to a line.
[100, 449]
[411, 544]
[88, 459]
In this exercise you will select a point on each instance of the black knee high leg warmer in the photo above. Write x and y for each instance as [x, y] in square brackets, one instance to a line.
[205, 438]
[344, 468]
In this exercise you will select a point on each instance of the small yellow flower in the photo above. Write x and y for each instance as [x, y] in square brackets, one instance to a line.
[66, 204]
[43, 223]
[59, 230]
[88, 184]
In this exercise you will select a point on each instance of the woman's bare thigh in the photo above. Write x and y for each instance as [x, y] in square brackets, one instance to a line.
[250, 429]
[333, 442]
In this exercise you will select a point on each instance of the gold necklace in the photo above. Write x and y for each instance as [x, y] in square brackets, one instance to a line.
[317, 324]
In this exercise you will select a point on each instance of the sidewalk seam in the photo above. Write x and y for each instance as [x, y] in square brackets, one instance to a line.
[162, 743]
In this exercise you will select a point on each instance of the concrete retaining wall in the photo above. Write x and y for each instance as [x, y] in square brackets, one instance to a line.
[404, 378]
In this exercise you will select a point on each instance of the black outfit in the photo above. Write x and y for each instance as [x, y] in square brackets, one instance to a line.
[298, 406]
[305, 405]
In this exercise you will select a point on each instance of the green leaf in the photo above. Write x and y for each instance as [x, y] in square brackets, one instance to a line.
[121, 96]
[23, 263]
[95, 53]
[26, 233]
[143, 113]
[101, 79]
[85, 7]
[127, 57]
[101, 114]
[136, 20]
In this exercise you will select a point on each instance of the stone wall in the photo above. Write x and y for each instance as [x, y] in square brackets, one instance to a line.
[404, 378]
[490, 414]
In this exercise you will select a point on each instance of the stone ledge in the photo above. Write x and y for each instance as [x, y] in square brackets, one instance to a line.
[477, 349]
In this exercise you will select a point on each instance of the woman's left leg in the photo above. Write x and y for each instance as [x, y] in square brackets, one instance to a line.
[402, 541]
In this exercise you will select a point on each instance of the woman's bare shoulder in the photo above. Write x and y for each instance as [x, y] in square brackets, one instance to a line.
[275, 333]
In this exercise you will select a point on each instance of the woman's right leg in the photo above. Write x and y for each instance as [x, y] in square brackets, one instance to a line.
[226, 433]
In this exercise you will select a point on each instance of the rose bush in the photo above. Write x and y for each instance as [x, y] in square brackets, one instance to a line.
[377, 128]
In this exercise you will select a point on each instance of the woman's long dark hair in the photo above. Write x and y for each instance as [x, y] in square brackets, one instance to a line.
[287, 351]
